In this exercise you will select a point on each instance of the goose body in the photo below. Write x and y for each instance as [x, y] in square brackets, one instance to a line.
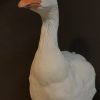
[55, 74]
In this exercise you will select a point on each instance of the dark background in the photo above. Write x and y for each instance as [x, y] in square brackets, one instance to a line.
[79, 30]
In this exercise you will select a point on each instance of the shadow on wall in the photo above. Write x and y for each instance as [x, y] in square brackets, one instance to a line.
[79, 45]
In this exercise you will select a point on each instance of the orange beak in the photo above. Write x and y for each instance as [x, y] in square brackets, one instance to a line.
[35, 3]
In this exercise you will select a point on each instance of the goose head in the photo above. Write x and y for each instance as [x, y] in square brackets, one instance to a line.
[42, 7]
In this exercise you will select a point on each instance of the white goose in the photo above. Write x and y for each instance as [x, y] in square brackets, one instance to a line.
[57, 75]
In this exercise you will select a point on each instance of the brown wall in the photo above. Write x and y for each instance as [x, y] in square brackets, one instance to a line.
[19, 35]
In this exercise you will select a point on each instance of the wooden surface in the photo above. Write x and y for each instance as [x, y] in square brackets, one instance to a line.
[79, 31]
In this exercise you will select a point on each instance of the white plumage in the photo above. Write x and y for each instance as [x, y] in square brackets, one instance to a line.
[57, 75]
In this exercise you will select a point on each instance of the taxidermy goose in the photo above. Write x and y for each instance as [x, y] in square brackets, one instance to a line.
[55, 74]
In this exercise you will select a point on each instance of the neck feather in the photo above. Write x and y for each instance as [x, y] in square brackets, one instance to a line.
[48, 38]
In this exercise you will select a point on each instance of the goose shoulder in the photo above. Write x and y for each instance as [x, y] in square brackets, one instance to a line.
[80, 66]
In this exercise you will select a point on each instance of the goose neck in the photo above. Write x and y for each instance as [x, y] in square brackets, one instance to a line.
[49, 29]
